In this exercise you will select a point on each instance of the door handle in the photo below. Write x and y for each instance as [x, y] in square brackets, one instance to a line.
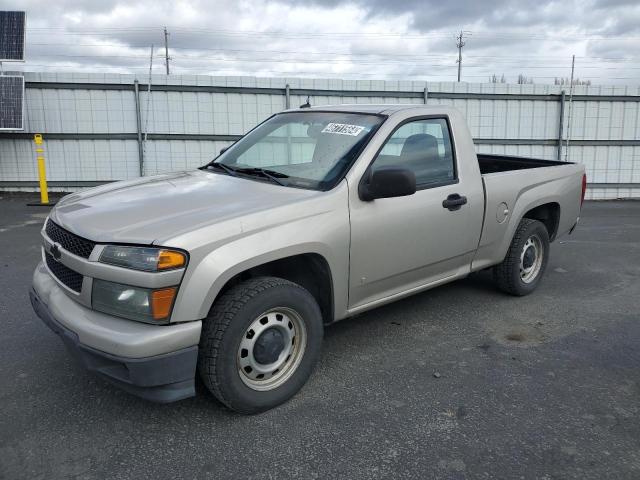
[454, 202]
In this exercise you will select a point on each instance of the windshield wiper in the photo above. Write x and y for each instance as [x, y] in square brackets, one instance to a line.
[222, 166]
[265, 172]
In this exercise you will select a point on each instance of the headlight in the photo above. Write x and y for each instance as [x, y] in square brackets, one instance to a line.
[134, 303]
[147, 259]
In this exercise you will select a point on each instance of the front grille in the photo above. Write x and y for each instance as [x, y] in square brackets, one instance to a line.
[72, 243]
[70, 278]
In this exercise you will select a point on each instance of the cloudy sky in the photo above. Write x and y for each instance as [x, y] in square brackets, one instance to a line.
[371, 39]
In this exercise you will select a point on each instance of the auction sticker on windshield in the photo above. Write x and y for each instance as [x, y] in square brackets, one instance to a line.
[343, 129]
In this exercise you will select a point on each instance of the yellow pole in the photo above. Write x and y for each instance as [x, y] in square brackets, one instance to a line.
[42, 173]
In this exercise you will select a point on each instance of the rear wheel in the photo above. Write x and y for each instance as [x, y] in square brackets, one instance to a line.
[260, 343]
[526, 260]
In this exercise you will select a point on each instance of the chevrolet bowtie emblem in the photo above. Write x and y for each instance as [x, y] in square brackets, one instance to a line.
[55, 252]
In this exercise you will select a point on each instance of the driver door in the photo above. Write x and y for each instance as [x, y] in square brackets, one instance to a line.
[404, 243]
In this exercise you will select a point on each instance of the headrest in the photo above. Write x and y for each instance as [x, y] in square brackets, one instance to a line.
[419, 143]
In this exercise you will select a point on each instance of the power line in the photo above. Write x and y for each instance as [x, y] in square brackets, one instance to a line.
[208, 58]
[288, 52]
[524, 62]
[298, 72]
[322, 62]
[281, 34]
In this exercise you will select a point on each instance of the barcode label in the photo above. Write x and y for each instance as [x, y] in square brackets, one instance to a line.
[343, 129]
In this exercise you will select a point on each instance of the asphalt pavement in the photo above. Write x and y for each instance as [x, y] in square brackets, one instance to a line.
[461, 382]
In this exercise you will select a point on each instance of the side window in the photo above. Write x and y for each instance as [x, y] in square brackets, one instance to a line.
[423, 146]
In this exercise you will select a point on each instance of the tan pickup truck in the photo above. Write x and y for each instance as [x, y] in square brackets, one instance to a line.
[232, 271]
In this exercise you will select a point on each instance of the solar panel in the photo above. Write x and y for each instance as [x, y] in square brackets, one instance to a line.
[12, 35]
[11, 102]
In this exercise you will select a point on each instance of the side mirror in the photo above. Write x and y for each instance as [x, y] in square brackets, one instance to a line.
[388, 182]
[222, 150]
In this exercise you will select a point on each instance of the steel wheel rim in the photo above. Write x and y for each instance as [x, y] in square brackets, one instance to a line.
[528, 273]
[261, 376]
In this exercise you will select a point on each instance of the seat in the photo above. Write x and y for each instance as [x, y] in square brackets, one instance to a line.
[420, 154]
[420, 147]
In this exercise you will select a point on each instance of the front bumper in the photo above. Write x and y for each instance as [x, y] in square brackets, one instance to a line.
[157, 365]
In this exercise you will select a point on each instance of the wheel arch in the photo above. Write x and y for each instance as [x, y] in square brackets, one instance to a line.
[309, 265]
[548, 214]
[546, 211]
[309, 270]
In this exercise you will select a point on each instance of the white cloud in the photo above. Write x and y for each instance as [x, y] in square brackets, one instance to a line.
[411, 39]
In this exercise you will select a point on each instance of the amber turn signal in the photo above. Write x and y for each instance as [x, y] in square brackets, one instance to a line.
[170, 259]
[161, 302]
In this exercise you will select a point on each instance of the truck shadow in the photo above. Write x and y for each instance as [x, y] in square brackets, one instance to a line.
[466, 294]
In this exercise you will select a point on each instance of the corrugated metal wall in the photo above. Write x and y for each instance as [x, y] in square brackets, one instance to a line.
[90, 123]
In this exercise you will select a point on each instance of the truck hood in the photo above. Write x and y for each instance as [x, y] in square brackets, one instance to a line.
[149, 209]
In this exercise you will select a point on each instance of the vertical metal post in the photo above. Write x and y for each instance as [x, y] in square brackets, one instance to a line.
[42, 173]
[426, 94]
[136, 91]
[146, 113]
[287, 104]
[566, 153]
[560, 126]
[166, 49]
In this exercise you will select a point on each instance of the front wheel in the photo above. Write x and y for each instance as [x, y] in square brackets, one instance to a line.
[260, 343]
[526, 260]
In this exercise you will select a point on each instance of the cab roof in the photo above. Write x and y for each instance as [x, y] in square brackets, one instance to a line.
[384, 109]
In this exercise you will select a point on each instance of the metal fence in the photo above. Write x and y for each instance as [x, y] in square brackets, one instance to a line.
[95, 125]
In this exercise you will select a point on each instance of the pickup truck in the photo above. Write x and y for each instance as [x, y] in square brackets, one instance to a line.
[232, 271]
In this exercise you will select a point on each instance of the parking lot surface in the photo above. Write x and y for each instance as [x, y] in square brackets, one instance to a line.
[461, 382]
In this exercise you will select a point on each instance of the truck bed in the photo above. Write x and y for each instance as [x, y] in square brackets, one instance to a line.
[503, 163]
[517, 185]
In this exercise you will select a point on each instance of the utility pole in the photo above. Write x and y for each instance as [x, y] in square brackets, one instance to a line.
[460, 43]
[146, 115]
[166, 49]
[573, 64]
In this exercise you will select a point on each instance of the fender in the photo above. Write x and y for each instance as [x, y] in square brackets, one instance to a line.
[326, 234]
[218, 265]
[497, 237]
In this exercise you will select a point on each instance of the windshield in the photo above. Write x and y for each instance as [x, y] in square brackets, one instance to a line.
[302, 149]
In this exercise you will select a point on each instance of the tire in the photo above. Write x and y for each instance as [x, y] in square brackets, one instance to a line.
[282, 313]
[521, 271]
